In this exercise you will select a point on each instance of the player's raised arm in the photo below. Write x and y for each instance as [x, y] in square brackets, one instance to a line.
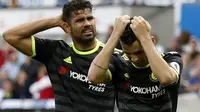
[98, 69]
[165, 73]
[20, 36]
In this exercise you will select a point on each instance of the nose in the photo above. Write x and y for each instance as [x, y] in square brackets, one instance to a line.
[87, 23]
[134, 58]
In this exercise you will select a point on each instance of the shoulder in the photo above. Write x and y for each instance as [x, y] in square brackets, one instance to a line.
[46, 42]
[120, 56]
[62, 43]
[118, 52]
[173, 57]
[170, 54]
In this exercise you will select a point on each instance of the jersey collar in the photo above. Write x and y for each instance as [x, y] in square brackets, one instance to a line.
[161, 54]
[86, 52]
[141, 67]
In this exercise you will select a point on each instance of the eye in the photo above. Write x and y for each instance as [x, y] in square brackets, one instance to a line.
[90, 18]
[80, 20]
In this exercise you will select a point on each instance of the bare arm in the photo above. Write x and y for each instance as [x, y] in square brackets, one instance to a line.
[165, 74]
[20, 36]
[98, 69]
[159, 66]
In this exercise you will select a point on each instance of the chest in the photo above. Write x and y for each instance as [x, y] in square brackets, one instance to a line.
[68, 60]
[72, 69]
[140, 77]
[143, 83]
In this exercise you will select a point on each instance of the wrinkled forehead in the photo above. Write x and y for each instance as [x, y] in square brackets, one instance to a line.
[82, 11]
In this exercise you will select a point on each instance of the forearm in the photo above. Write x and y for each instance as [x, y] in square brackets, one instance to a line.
[158, 65]
[31, 28]
[103, 58]
[98, 70]
[19, 36]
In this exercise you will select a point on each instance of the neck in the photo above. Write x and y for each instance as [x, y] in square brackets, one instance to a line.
[85, 46]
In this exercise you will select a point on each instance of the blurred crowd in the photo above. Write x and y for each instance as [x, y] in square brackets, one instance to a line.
[31, 3]
[58, 3]
[187, 45]
[22, 77]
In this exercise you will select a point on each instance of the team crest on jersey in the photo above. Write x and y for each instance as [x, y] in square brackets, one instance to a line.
[153, 78]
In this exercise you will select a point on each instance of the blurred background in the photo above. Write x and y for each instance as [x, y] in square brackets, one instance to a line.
[24, 84]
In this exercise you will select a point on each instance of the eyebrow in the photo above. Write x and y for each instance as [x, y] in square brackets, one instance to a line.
[79, 19]
[82, 18]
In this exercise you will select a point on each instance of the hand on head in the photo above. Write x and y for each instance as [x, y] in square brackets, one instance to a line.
[62, 24]
[120, 24]
[140, 27]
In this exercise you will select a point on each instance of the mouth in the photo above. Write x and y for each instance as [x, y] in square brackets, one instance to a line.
[87, 32]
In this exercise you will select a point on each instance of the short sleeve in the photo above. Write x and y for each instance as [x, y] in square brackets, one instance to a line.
[43, 49]
[175, 61]
[117, 65]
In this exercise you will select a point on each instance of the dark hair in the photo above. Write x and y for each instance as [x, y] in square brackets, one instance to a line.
[74, 6]
[128, 36]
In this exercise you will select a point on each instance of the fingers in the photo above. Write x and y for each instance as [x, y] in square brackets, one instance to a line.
[146, 23]
[140, 27]
[138, 20]
[125, 19]
[121, 23]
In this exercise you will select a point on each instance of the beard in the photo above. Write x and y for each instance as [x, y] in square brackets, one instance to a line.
[85, 40]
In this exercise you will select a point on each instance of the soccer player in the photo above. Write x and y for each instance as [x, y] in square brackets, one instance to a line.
[67, 64]
[145, 77]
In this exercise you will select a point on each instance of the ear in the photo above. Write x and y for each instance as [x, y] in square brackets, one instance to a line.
[153, 39]
[66, 27]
